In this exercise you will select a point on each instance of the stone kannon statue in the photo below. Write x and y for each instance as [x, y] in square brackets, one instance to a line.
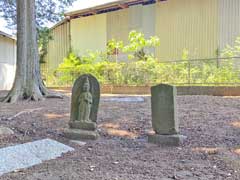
[85, 102]
[84, 109]
[85, 99]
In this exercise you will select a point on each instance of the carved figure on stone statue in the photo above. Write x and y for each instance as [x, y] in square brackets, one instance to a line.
[85, 103]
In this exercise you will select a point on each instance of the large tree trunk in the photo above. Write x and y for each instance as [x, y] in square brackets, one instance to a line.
[28, 83]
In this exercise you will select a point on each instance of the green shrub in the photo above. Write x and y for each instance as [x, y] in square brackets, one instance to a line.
[145, 69]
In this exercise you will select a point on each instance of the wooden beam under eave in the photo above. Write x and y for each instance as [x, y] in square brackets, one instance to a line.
[94, 12]
[123, 6]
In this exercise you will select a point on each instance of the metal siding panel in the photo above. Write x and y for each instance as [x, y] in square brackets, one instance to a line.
[117, 25]
[148, 23]
[187, 24]
[229, 26]
[135, 18]
[58, 48]
[148, 20]
[89, 33]
[120, 23]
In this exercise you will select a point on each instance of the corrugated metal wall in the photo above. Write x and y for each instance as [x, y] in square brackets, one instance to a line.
[148, 20]
[201, 27]
[117, 25]
[120, 23]
[229, 26]
[140, 18]
[89, 33]
[187, 24]
[58, 48]
[7, 62]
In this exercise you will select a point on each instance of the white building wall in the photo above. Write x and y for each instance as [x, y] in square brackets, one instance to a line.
[7, 62]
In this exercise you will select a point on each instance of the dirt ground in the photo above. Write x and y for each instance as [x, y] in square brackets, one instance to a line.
[211, 151]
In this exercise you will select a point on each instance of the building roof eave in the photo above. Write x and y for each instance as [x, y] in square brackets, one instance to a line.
[7, 35]
[59, 23]
[121, 4]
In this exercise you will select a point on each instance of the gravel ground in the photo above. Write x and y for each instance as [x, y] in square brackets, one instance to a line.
[211, 151]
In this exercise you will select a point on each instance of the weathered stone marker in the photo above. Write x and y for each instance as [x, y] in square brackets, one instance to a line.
[164, 116]
[84, 108]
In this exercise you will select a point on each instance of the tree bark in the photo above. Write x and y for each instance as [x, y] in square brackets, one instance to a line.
[28, 83]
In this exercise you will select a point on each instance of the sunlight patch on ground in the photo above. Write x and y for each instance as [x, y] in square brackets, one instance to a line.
[64, 91]
[235, 124]
[125, 95]
[56, 116]
[237, 151]
[68, 94]
[232, 97]
[113, 129]
[206, 150]
[121, 133]
[109, 125]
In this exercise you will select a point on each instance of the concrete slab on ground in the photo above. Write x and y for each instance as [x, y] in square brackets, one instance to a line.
[29, 154]
[124, 99]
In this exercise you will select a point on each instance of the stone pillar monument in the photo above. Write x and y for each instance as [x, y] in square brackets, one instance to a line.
[84, 108]
[164, 116]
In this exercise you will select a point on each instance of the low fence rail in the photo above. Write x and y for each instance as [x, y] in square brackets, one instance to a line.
[195, 72]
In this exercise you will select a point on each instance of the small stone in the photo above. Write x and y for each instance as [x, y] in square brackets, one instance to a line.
[91, 168]
[5, 131]
[80, 143]
[184, 174]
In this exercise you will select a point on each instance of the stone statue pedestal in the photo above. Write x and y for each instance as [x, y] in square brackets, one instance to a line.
[166, 140]
[81, 131]
[78, 134]
[89, 126]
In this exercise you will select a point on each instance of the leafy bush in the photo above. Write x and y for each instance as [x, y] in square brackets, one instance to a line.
[145, 69]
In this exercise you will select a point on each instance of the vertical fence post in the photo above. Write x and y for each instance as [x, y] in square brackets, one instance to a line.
[189, 72]
[46, 76]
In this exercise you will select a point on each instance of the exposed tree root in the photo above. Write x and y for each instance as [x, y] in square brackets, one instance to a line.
[23, 112]
[12, 97]
[37, 94]
[54, 95]
[47, 93]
